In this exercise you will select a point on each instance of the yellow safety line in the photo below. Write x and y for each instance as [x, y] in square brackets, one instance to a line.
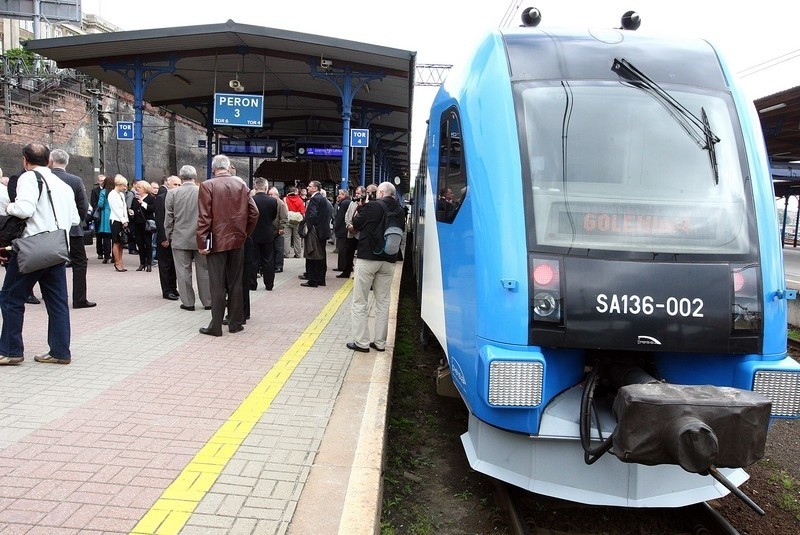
[172, 510]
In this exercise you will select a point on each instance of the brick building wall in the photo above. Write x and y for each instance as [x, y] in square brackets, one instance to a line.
[169, 140]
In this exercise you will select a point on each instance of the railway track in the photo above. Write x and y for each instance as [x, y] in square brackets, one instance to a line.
[530, 514]
[794, 345]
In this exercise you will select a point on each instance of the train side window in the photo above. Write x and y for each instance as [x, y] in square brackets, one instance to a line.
[452, 183]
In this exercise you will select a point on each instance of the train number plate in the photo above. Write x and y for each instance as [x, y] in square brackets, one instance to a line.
[687, 307]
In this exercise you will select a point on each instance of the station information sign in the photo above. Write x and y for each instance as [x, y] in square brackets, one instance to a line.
[238, 109]
[319, 151]
[125, 130]
[359, 137]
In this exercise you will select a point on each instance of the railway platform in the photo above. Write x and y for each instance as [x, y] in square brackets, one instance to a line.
[156, 428]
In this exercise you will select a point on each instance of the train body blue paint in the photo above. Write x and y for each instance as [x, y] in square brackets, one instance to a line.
[596, 250]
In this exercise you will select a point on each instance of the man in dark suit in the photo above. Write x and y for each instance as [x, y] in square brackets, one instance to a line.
[59, 159]
[166, 265]
[340, 231]
[319, 212]
[264, 235]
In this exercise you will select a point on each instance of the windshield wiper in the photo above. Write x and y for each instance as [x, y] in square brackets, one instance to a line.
[711, 140]
[699, 130]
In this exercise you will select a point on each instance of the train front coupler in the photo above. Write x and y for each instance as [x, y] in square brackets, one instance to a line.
[699, 427]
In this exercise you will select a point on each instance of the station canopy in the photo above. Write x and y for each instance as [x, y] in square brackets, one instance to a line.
[779, 114]
[185, 66]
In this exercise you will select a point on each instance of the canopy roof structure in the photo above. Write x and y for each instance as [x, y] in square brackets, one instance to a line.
[780, 121]
[305, 81]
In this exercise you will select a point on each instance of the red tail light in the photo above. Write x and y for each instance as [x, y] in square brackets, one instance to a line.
[545, 275]
[738, 282]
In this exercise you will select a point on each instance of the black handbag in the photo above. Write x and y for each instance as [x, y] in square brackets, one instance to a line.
[124, 236]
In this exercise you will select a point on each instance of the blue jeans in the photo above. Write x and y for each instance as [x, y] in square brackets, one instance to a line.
[16, 289]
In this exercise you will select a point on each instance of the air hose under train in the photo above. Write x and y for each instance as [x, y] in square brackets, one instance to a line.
[620, 375]
[590, 455]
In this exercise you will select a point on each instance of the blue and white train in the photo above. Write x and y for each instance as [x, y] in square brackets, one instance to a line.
[597, 252]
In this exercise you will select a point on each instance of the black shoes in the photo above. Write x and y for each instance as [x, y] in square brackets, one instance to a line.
[236, 329]
[354, 347]
[302, 277]
[334, 269]
[148, 269]
[376, 348]
[209, 332]
[309, 284]
[172, 296]
[85, 304]
[190, 308]
[206, 308]
[32, 300]
[343, 276]
[140, 268]
[278, 270]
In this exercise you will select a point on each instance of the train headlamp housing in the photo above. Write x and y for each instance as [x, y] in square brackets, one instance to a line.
[545, 290]
[746, 310]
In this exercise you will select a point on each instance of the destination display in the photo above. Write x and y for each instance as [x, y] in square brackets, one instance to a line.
[319, 151]
[249, 147]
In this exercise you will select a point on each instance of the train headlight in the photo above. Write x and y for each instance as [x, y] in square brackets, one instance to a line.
[546, 290]
[515, 384]
[746, 311]
[783, 389]
[544, 304]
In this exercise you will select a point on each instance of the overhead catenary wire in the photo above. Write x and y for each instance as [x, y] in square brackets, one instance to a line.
[768, 64]
[511, 12]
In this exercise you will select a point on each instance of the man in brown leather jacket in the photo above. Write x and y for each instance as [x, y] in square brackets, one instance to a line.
[226, 215]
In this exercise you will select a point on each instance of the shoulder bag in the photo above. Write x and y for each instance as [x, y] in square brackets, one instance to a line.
[45, 249]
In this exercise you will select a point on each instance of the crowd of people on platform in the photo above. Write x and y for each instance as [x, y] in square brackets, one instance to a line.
[218, 232]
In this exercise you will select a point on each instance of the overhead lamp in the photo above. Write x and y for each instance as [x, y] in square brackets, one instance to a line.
[236, 85]
[772, 108]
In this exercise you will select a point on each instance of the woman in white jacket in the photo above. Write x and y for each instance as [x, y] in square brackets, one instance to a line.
[119, 220]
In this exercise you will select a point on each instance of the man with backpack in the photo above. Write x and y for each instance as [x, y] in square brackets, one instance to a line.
[380, 224]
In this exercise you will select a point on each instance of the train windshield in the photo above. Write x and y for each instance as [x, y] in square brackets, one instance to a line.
[612, 168]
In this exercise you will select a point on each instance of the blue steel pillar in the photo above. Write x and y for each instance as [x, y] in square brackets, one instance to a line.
[139, 74]
[347, 84]
[366, 120]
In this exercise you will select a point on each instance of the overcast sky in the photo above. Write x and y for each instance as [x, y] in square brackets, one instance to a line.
[760, 41]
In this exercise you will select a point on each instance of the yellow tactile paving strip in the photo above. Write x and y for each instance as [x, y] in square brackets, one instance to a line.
[173, 509]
